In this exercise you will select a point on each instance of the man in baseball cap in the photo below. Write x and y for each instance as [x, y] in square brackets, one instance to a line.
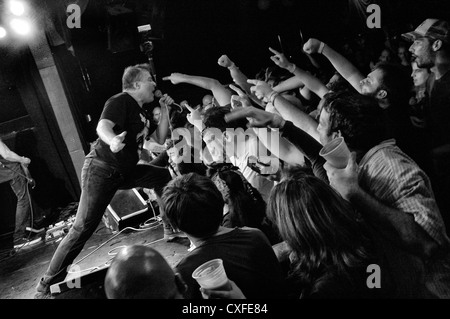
[431, 49]
[429, 39]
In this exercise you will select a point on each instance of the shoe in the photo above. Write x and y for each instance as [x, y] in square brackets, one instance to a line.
[25, 242]
[43, 295]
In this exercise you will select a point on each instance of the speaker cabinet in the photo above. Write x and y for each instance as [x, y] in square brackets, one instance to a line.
[127, 209]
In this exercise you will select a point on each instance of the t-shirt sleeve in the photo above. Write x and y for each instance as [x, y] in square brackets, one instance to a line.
[114, 111]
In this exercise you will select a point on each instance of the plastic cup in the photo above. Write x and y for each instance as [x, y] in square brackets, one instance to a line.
[336, 153]
[211, 275]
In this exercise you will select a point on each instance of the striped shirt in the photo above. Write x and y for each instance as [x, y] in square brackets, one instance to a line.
[396, 180]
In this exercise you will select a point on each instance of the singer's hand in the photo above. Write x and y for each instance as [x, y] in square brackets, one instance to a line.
[116, 144]
[165, 100]
[175, 78]
[25, 161]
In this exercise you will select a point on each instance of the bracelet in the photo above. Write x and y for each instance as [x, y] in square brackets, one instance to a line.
[294, 67]
[322, 45]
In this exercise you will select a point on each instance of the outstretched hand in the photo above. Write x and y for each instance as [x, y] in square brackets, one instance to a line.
[255, 117]
[175, 78]
[194, 117]
[280, 59]
[260, 88]
[239, 100]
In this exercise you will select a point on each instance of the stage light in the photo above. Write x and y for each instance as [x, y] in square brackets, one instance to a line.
[16, 7]
[20, 26]
[2, 32]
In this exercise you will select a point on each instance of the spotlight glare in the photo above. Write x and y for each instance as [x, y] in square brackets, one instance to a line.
[2, 32]
[16, 7]
[20, 26]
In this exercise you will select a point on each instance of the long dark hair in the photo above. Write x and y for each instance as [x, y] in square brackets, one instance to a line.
[322, 230]
[245, 203]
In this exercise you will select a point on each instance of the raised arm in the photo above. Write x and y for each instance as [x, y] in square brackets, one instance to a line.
[162, 131]
[340, 63]
[286, 109]
[220, 92]
[238, 77]
[310, 81]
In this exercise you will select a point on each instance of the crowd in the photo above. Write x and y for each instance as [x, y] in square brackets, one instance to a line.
[240, 175]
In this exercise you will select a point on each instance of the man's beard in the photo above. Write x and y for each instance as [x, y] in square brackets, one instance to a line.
[425, 62]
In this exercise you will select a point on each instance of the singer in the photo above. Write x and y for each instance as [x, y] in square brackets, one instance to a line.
[13, 170]
[112, 165]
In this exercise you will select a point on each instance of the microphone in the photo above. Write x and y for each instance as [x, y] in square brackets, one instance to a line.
[159, 95]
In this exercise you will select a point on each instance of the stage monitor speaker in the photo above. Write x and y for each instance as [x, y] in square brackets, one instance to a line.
[127, 209]
[82, 286]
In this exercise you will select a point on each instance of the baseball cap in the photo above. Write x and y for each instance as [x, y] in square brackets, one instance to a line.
[430, 28]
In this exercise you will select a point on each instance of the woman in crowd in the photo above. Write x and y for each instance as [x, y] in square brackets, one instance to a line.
[330, 246]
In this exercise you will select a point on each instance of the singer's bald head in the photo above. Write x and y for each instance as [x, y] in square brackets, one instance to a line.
[141, 272]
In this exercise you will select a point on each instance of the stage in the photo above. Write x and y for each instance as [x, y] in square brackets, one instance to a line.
[19, 274]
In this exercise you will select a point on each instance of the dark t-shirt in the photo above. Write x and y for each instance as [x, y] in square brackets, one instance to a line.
[248, 259]
[128, 116]
[438, 110]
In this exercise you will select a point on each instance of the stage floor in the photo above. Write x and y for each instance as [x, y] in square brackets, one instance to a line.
[19, 274]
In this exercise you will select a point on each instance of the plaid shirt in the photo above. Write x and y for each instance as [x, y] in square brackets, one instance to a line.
[395, 180]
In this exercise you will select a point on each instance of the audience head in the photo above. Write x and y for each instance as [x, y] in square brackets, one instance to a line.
[245, 203]
[386, 55]
[215, 117]
[193, 204]
[430, 38]
[389, 83]
[156, 114]
[321, 228]
[208, 101]
[273, 75]
[419, 75]
[403, 54]
[338, 83]
[355, 117]
[141, 272]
